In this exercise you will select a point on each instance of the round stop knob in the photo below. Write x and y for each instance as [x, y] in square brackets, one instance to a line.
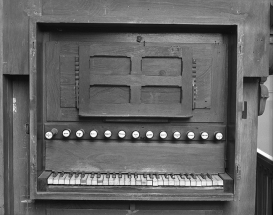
[135, 134]
[218, 135]
[49, 135]
[163, 134]
[121, 134]
[190, 135]
[80, 133]
[93, 133]
[176, 135]
[204, 135]
[107, 133]
[149, 134]
[66, 132]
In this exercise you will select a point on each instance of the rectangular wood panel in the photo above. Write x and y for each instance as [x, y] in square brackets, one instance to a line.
[155, 77]
[128, 156]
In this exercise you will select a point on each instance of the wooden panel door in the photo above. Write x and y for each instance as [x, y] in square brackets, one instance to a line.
[124, 79]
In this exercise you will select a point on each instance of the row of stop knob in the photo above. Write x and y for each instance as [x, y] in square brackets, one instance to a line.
[135, 134]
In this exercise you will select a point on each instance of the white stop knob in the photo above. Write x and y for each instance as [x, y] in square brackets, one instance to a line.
[163, 134]
[190, 135]
[80, 133]
[66, 132]
[121, 134]
[93, 133]
[107, 134]
[218, 135]
[149, 134]
[176, 135]
[204, 135]
[48, 135]
[135, 134]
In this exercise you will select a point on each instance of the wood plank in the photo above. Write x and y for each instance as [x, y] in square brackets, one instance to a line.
[172, 8]
[20, 141]
[139, 212]
[52, 81]
[68, 96]
[67, 69]
[16, 50]
[2, 111]
[134, 156]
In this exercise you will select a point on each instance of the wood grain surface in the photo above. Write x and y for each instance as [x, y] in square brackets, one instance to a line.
[128, 156]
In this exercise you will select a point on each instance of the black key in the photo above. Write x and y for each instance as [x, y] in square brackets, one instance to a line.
[172, 175]
[193, 175]
[107, 175]
[98, 175]
[187, 176]
[157, 176]
[136, 176]
[92, 174]
[120, 175]
[114, 175]
[151, 176]
[166, 176]
[203, 176]
[83, 175]
[55, 173]
[129, 175]
[145, 175]
[62, 174]
[209, 176]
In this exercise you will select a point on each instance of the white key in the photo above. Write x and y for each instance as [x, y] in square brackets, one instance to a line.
[220, 180]
[193, 181]
[100, 179]
[127, 180]
[50, 179]
[89, 180]
[171, 181]
[209, 181]
[111, 180]
[155, 181]
[62, 179]
[95, 180]
[149, 180]
[138, 180]
[176, 181]
[203, 181]
[165, 181]
[182, 180]
[116, 180]
[105, 181]
[73, 179]
[67, 179]
[133, 181]
[84, 179]
[187, 181]
[56, 179]
[198, 181]
[160, 181]
[78, 179]
[143, 180]
[214, 181]
[122, 180]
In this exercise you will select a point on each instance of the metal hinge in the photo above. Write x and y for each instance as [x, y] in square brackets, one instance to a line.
[27, 128]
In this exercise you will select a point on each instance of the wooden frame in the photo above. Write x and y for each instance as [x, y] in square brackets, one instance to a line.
[37, 165]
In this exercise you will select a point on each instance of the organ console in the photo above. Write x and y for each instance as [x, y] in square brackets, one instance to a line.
[121, 119]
